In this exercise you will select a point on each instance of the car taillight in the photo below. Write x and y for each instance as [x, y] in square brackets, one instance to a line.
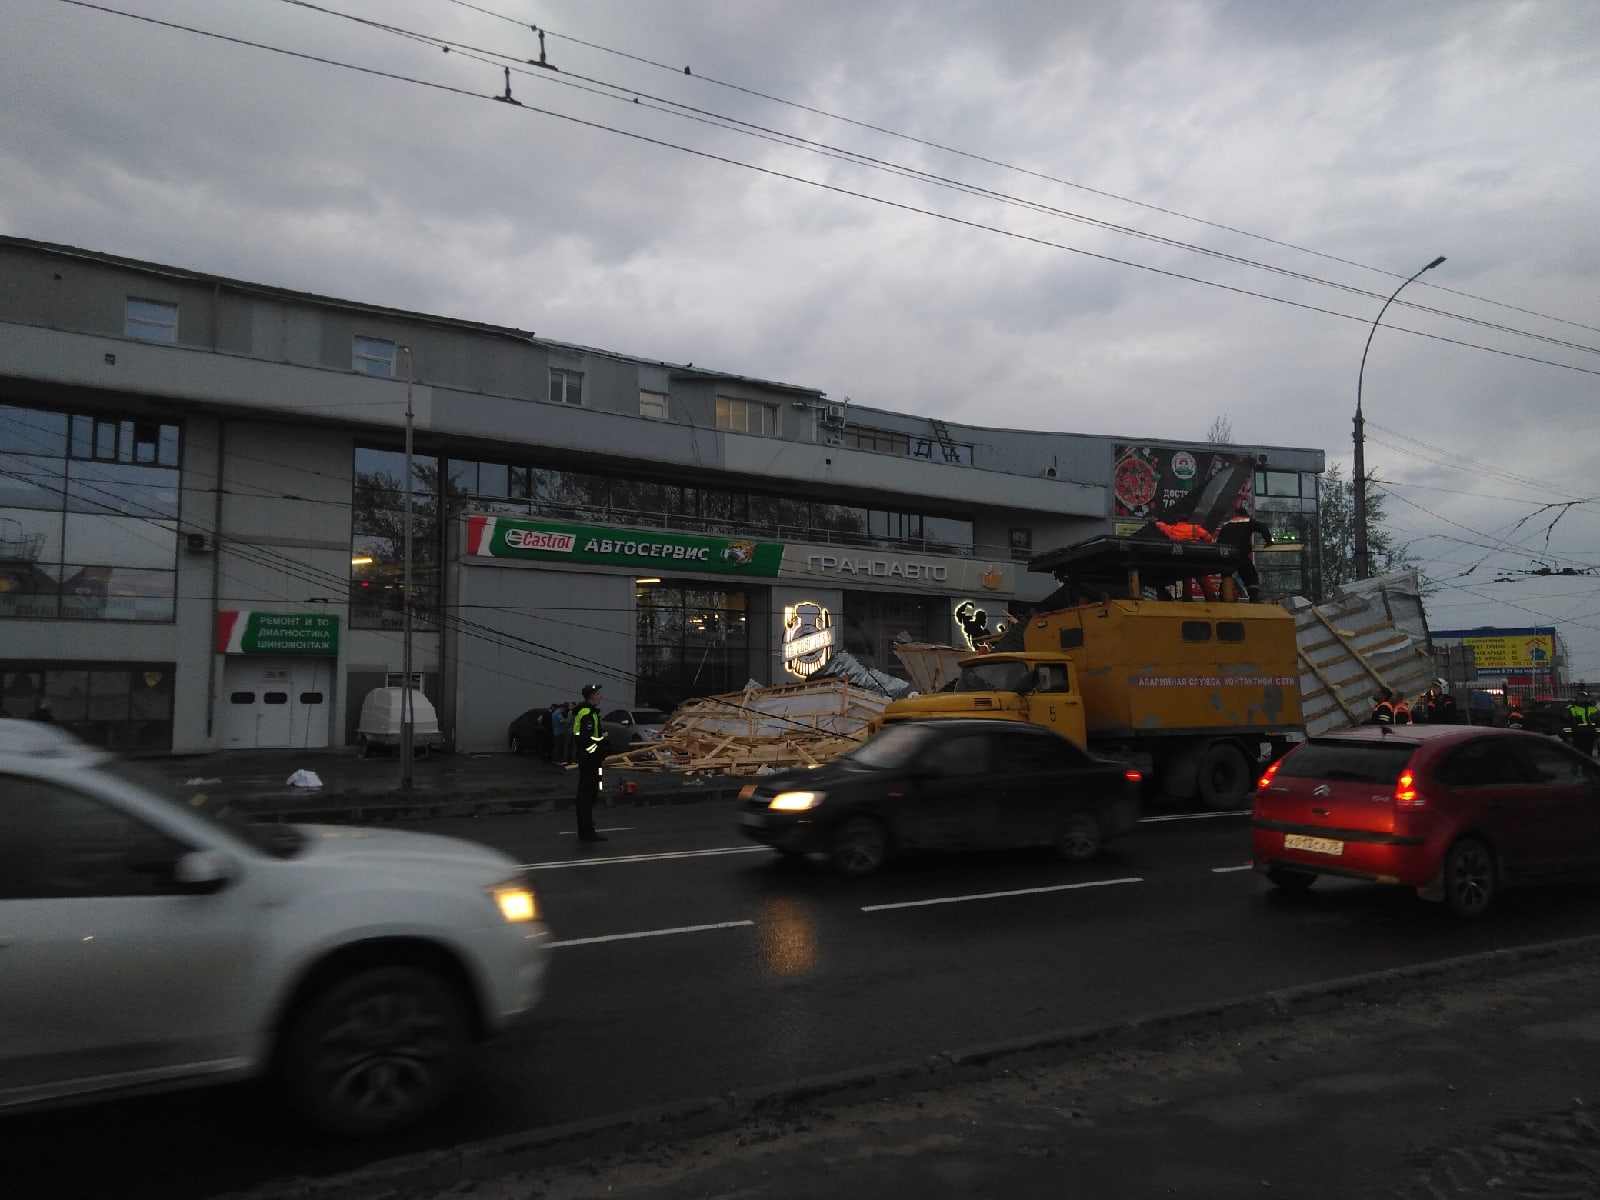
[1132, 776]
[1405, 791]
[1267, 778]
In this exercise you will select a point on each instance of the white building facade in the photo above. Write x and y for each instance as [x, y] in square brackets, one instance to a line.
[204, 502]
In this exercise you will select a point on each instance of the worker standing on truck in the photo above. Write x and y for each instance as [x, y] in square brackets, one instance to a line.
[1239, 533]
[1188, 531]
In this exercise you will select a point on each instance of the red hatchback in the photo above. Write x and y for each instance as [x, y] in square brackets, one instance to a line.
[1455, 811]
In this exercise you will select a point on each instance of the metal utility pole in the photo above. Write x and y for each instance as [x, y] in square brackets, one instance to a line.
[1363, 563]
[406, 707]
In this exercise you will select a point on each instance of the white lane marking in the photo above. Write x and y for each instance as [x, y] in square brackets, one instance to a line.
[610, 860]
[1199, 816]
[1060, 887]
[599, 829]
[1225, 870]
[648, 933]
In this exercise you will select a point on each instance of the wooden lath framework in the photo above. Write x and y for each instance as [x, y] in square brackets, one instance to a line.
[759, 729]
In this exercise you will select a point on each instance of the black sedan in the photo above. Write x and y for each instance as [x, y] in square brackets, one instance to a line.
[944, 785]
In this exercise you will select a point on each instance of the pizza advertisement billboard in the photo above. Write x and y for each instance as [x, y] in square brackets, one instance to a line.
[1163, 483]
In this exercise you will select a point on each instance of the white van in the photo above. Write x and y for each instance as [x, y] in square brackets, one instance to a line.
[381, 717]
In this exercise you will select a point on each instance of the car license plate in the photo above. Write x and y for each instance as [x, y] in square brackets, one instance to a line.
[1315, 845]
[754, 820]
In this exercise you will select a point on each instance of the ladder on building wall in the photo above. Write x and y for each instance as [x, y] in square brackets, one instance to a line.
[952, 452]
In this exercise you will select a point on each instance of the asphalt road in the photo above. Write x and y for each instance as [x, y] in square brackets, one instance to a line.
[690, 964]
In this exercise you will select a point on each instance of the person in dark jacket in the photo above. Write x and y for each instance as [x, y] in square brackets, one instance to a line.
[589, 740]
[44, 711]
[1441, 705]
[1239, 532]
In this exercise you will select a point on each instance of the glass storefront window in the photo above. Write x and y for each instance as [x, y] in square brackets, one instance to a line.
[121, 706]
[377, 542]
[582, 496]
[691, 641]
[88, 516]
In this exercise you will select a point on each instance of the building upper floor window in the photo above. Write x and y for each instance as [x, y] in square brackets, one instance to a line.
[746, 416]
[373, 356]
[653, 404]
[150, 320]
[566, 387]
[882, 440]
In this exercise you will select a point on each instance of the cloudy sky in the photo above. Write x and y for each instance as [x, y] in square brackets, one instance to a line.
[1127, 218]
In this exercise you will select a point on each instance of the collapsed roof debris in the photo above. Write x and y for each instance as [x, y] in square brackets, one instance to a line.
[760, 729]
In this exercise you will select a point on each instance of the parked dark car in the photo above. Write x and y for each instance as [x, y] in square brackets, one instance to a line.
[1457, 812]
[530, 733]
[944, 785]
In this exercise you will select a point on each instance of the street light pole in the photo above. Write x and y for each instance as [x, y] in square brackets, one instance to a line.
[1363, 563]
[407, 709]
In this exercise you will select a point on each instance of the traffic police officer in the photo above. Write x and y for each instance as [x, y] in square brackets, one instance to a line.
[589, 741]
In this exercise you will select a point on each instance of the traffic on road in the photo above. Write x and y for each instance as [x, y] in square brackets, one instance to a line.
[687, 962]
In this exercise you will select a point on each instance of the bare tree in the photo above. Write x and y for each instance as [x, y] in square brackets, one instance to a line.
[1221, 431]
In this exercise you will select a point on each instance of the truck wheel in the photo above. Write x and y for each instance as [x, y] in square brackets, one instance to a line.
[1224, 778]
[859, 847]
[1079, 839]
[376, 1051]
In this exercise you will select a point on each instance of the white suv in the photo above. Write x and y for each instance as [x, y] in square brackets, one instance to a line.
[147, 943]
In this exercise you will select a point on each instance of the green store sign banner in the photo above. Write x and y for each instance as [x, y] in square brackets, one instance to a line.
[553, 541]
[245, 631]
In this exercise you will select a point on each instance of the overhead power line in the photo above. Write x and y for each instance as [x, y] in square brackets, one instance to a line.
[702, 78]
[625, 94]
[832, 188]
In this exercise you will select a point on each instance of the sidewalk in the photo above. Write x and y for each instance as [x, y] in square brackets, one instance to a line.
[1477, 1077]
[356, 789]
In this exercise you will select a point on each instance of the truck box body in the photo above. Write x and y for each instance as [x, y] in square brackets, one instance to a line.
[1176, 666]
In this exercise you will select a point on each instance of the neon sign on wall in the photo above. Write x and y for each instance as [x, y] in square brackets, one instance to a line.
[807, 638]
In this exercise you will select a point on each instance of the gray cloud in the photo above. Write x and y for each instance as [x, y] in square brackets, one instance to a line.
[1376, 134]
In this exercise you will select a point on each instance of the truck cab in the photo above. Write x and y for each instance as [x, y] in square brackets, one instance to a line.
[1036, 688]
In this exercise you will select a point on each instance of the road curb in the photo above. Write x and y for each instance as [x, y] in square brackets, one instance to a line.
[639, 1129]
[383, 807]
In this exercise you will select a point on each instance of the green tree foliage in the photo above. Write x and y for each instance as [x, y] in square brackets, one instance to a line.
[1336, 548]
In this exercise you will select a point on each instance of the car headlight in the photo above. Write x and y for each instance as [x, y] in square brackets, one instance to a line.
[796, 801]
[516, 901]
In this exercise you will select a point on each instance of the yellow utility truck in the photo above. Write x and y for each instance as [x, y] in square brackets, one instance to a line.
[1197, 695]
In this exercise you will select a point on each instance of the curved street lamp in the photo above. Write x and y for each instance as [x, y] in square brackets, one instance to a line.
[1363, 565]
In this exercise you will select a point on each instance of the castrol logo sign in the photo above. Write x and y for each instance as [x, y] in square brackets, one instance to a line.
[540, 539]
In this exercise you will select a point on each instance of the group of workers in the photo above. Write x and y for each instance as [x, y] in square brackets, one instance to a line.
[1239, 533]
[1436, 706]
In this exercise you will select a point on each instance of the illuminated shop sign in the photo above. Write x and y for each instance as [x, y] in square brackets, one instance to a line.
[856, 565]
[880, 569]
[978, 622]
[807, 638]
[555, 541]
